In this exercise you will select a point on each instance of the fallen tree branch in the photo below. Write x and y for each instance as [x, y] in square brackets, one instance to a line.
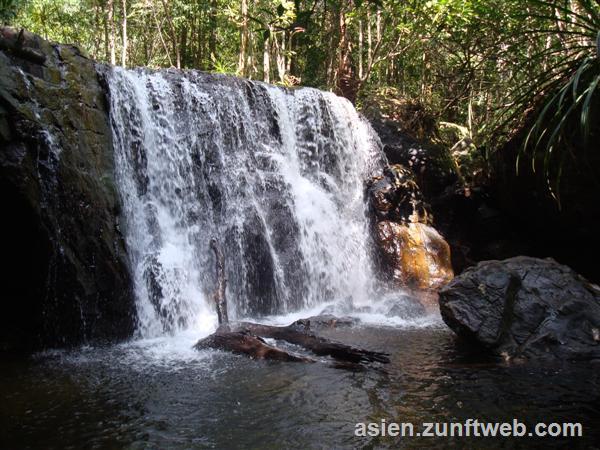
[248, 338]
[247, 344]
[219, 295]
[297, 334]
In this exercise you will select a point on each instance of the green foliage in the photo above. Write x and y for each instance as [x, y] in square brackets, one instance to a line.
[67, 21]
[223, 67]
[568, 85]
[8, 10]
[478, 64]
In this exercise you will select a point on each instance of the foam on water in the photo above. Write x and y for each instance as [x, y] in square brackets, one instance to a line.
[376, 314]
[173, 352]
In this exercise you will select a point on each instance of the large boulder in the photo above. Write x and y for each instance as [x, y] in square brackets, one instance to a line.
[66, 279]
[525, 307]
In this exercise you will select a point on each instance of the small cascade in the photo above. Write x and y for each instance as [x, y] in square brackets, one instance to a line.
[276, 175]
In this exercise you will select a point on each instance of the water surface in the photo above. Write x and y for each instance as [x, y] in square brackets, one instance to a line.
[159, 393]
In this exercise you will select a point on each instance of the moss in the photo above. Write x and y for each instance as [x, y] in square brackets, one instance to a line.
[58, 162]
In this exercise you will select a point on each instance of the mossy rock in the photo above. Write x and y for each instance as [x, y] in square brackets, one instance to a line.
[68, 280]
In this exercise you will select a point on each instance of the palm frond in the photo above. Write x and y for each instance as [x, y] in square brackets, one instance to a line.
[570, 37]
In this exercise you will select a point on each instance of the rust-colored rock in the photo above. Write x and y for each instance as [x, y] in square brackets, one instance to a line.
[414, 255]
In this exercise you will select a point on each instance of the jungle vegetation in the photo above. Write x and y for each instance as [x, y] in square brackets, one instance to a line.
[464, 71]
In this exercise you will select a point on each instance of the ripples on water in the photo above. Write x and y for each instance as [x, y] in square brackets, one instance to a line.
[160, 393]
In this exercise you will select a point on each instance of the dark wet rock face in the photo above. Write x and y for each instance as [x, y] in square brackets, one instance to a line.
[67, 281]
[433, 166]
[411, 253]
[462, 210]
[276, 175]
[396, 196]
[525, 307]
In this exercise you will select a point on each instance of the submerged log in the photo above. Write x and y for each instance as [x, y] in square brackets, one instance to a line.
[298, 334]
[246, 344]
[248, 338]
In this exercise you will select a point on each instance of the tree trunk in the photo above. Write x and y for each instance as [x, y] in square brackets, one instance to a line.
[124, 30]
[183, 46]
[346, 82]
[212, 40]
[369, 40]
[98, 27]
[267, 60]
[219, 295]
[242, 62]
[290, 56]
[280, 58]
[110, 6]
[173, 32]
[106, 37]
[160, 34]
[379, 25]
[248, 338]
[360, 49]
[298, 333]
[247, 344]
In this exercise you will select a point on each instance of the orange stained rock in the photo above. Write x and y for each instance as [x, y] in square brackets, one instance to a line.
[416, 254]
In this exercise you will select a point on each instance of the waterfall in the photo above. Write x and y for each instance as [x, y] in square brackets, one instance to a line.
[276, 175]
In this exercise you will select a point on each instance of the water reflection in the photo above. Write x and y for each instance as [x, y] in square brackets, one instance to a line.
[131, 397]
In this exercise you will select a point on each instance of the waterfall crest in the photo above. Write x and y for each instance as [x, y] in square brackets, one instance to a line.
[276, 175]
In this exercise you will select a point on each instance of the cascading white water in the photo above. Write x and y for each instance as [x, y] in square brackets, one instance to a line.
[276, 175]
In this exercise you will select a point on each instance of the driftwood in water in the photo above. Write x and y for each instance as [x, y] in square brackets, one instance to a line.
[246, 344]
[248, 338]
[298, 334]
